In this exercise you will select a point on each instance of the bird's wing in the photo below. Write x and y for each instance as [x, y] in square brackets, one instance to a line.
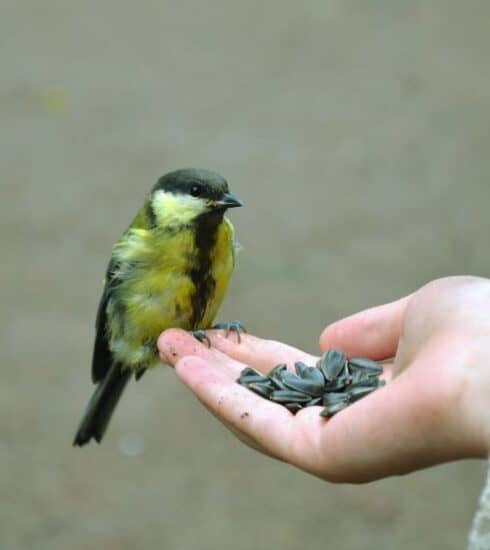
[102, 357]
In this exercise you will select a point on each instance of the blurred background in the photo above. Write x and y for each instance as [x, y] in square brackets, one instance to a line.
[358, 135]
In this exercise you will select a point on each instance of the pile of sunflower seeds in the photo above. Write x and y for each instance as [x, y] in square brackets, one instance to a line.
[334, 383]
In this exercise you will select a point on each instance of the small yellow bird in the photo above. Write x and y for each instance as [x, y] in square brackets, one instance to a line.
[170, 268]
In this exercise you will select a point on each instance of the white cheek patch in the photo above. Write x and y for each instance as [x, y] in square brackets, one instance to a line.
[174, 207]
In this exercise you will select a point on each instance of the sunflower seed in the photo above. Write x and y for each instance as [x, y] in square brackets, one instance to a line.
[247, 370]
[331, 363]
[287, 396]
[278, 369]
[302, 384]
[360, 391]
[346, 372]
[293, 407]
[251, 379]
[369, 379]
[315, 401]
[300, 368]
[365, 364]
[338, 384]
[334, 383]
[261, 388]
[248, 376]
[314, 375]
[330, 410]
[364, 378]
[275, 376]
[358, 376]
[335, 397]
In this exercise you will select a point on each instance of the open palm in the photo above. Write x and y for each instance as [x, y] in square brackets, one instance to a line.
[433, 408]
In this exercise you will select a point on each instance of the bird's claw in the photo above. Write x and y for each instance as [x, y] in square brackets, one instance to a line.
[232, 326]
[201, 336]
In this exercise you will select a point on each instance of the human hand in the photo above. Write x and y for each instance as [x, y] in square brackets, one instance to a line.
[433, 409]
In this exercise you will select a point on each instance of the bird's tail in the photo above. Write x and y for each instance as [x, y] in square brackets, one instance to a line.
[102, 405]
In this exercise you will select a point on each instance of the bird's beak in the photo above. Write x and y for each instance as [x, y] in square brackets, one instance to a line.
[229, 201]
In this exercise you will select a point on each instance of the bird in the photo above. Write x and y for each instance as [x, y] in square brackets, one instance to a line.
[169, 269]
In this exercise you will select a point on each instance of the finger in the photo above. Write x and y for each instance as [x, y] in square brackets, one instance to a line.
[258, 353]
[173, 344]
[266, 424]
[371, 333]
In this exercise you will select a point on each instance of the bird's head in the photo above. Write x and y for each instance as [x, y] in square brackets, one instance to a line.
[184, 195]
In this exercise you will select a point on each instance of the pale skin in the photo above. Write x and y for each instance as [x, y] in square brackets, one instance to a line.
[434, 408]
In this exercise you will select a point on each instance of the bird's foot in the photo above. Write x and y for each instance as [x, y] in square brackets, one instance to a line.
[201, 336]
[232, 326]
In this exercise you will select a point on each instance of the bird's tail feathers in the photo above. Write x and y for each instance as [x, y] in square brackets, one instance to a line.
[101, 405]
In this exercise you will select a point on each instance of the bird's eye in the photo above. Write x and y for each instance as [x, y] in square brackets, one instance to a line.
[196, 190]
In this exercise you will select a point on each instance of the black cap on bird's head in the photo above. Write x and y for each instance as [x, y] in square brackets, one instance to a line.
[200, 184]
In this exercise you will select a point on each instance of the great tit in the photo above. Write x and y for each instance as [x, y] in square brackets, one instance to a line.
[170, 268]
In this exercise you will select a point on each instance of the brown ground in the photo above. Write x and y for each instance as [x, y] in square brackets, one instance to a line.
[358, 135]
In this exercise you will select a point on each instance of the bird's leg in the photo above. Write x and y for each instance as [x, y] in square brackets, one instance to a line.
[232, 326]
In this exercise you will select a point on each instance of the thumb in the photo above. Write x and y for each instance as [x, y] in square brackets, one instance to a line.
[370, 333]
